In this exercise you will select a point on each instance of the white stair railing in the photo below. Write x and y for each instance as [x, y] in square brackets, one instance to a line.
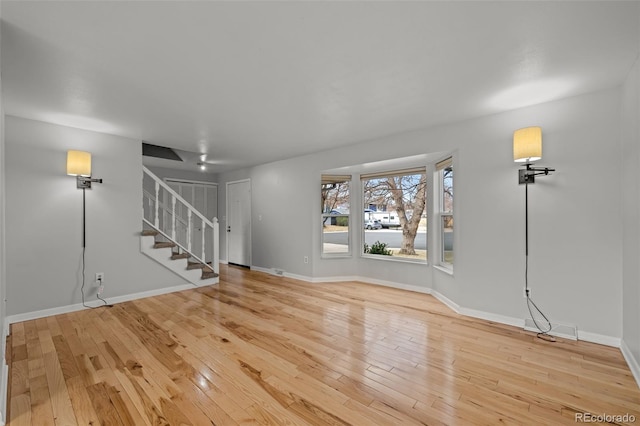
[168, 213]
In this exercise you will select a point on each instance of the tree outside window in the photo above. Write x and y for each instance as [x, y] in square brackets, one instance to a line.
[396, 200]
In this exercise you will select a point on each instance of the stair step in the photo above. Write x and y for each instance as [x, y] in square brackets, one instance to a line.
[175, 256]
[196, 265]
[149, 233]
[207, 275]
[163, 244]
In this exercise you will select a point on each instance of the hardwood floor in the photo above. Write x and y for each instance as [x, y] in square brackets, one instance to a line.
[261, 349]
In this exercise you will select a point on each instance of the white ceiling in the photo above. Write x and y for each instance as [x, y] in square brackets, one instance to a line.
[253, 82]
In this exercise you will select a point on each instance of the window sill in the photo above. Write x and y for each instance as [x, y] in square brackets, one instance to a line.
[394, 259]
[448, 271]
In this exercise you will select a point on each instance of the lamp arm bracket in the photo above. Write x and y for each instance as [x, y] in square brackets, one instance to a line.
[84, 182]
[528, 174]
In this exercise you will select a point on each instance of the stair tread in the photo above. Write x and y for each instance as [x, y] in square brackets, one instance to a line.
[207, 275]
[163, 244]
[191, 266]
[149, 233]
[197, 265]
[175, 256]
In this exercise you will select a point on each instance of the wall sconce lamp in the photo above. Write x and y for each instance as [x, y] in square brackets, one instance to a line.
[79, 165]
[527, 148]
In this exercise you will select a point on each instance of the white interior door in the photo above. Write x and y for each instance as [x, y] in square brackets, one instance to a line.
[239, 223]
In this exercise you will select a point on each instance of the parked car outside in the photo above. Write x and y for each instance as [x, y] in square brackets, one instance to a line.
[372, 224]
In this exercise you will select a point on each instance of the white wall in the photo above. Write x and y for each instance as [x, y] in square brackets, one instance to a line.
[44, 218]
[631, 218]
[575, 214]
[3, 274]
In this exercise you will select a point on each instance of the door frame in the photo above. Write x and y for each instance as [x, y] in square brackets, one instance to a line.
[226, 217]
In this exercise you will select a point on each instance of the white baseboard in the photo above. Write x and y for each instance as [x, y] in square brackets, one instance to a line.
[409, 287]
[78, 306]
[261, 269]
[5, 385]
[366, 280]
[632, 362]
[489, 316]
[448, 302]
[600, 339]
[4, 375]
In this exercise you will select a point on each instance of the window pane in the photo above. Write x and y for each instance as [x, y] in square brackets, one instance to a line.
[335, 234]
[447, 189]
[335, 214]
[447, 239]
[445, 177]
[395, 222]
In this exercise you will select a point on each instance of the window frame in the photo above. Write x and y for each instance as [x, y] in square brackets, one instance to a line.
[338, 179]
[420, 170]
[443, 211]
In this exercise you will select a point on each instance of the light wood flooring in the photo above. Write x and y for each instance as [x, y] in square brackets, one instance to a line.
[261, 349]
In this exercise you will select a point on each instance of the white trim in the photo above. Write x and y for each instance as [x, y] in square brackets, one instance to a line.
[445, 269]
[448, 302]
[409, 287]
[488, 316]
[5, 388]
[78, 306]
[600, 339]
[632, 362]
[270, 271]
[4, 385]
[366, 280]
[296, 276]
[383, 258]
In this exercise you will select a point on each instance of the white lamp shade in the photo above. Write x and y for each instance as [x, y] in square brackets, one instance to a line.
[527, 144]
[78, 163]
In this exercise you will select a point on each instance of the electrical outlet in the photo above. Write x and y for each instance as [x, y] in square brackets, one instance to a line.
[306, 259]
[100, 278]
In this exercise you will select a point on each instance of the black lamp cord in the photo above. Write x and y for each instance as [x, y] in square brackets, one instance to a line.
[84, 249]
[543, 333]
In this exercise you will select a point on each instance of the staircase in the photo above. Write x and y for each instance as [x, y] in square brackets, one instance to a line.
[176, 235]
